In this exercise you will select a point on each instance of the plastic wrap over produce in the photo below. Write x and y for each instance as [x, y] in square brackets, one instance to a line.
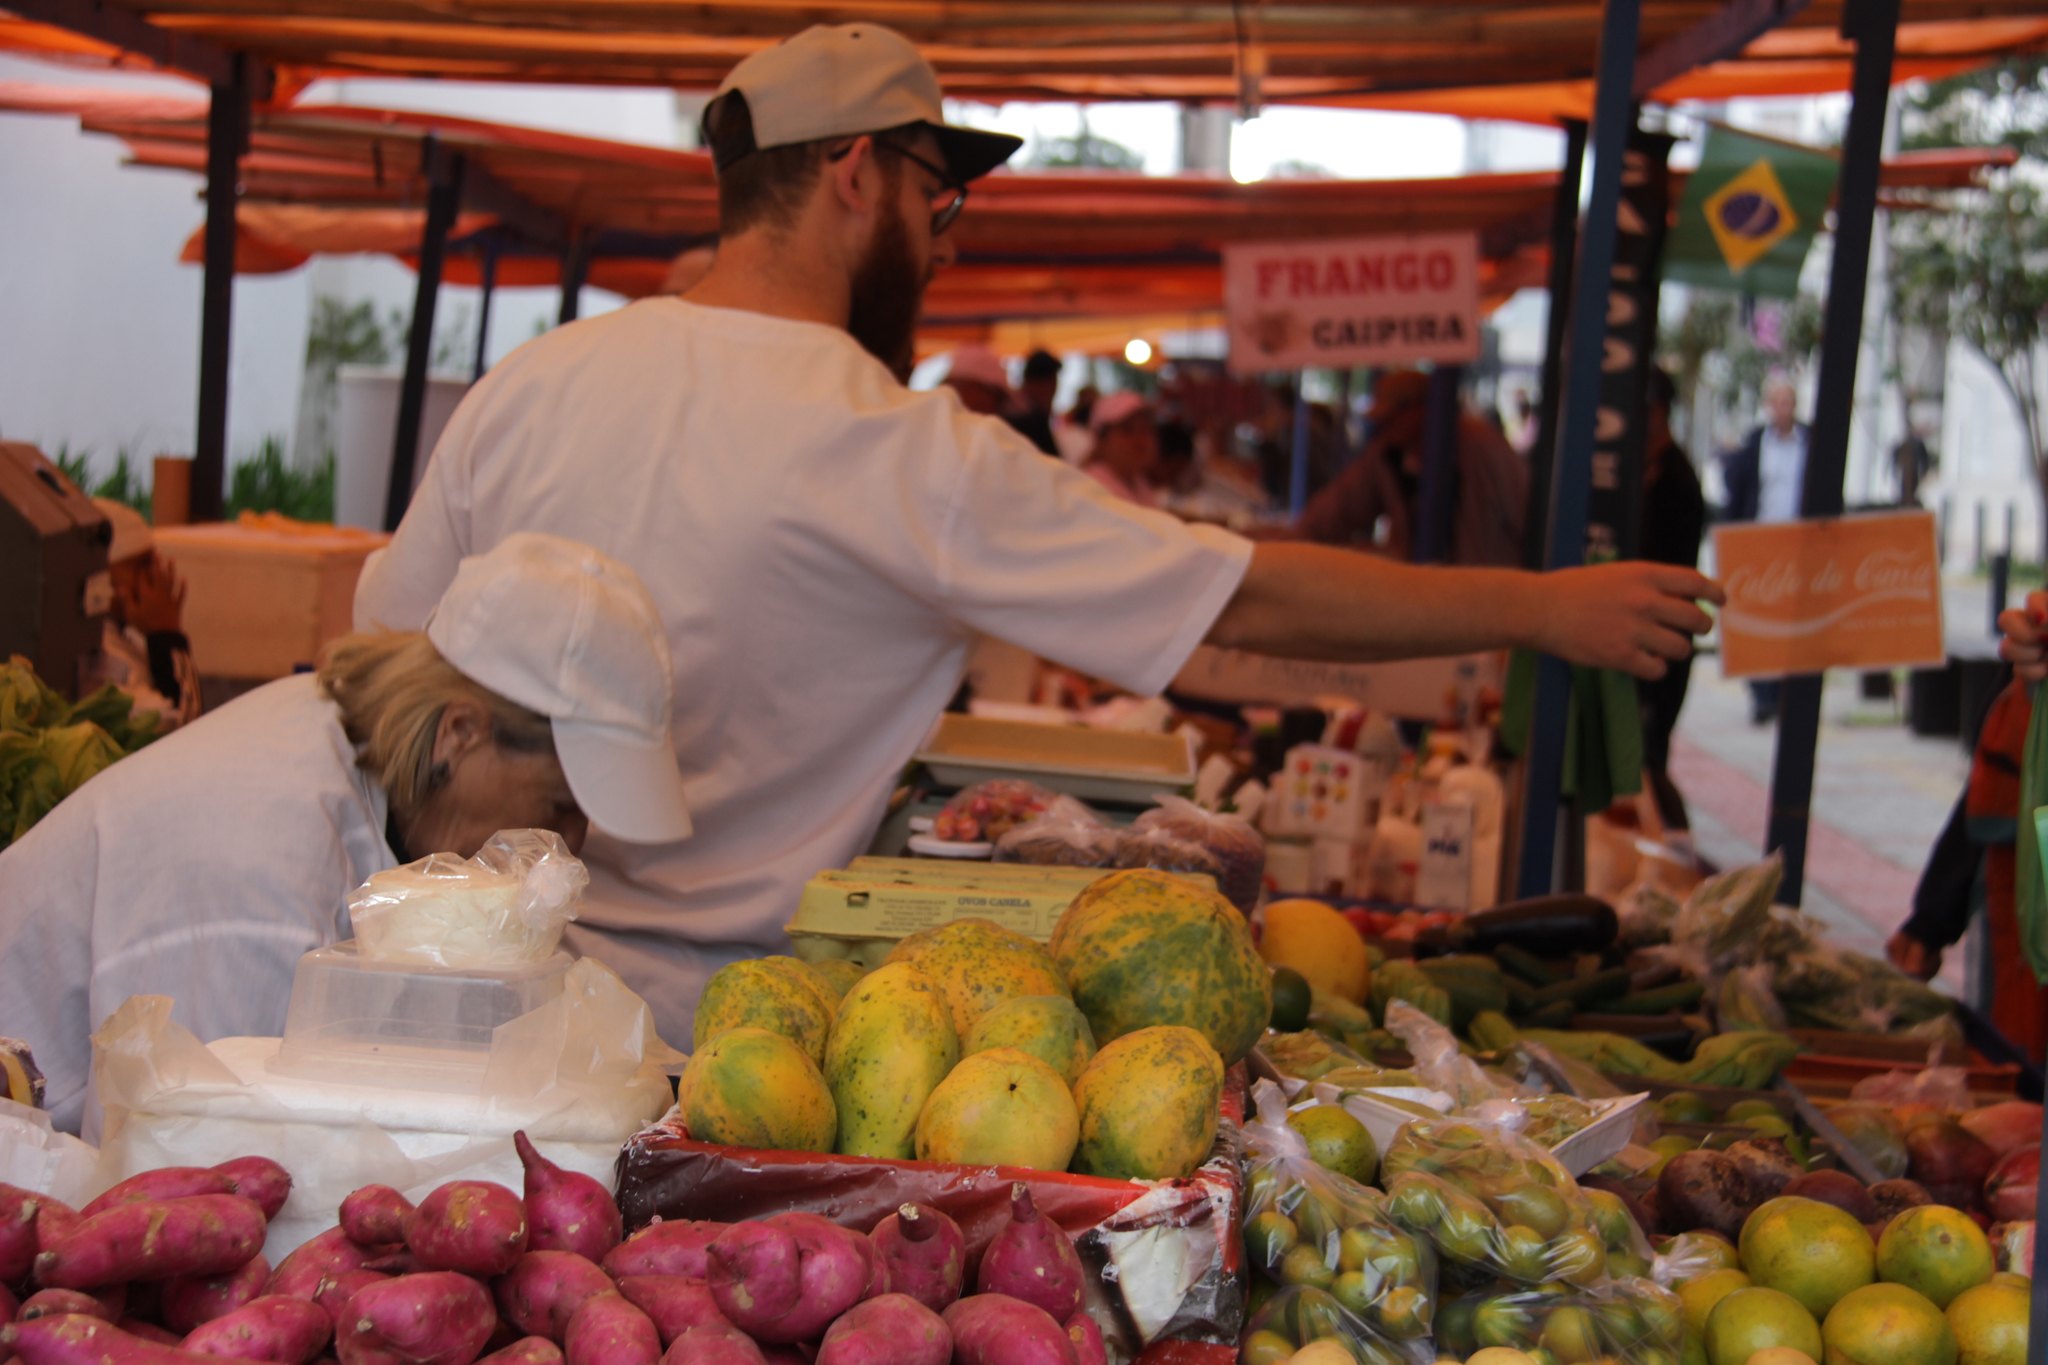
[1164, 1258]
[580, 1074]
[506, 906]
[34, 1156]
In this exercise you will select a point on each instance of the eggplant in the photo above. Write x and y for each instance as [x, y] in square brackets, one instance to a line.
[1551, 926]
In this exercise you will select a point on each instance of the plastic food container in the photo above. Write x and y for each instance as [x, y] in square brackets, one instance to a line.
[416, 1026]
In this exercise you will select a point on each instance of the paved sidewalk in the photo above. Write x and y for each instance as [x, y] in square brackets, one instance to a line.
[1880, 795]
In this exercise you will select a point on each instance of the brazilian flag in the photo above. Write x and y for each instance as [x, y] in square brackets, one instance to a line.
[1749, 213]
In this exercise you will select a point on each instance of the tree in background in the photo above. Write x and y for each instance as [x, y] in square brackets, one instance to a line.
[1085, 151]
[1973, 264]
[1719, 358]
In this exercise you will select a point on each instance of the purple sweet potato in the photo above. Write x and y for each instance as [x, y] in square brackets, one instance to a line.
[261, 1179]
[9, 1306]
[336, 1290]
[149, 1331]
[1086, 1334]
[475, 1226]
[398, 1261]
[714, 1344]
[922, 1254]
[525, 1351]
[995, 1329]
[75, 1339]
[375, 1214]
[52, 1303]
[1031, 1259]
[191, 1301]
[300, 1273]
[543, 1290]
[889, 1329]
[607, 1330]
[567, 1210]
[274, 1328]
[789, 1277]
[166, 1182]
[203, 1234]
[17, 1233]
[438, 1318]
[678, 1246]
[674, 1302]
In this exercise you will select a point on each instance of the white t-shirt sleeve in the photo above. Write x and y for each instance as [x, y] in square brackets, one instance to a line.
[402, 583]
[1026, 549]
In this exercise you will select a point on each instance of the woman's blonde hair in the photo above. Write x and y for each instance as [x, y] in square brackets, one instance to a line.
[392, 688]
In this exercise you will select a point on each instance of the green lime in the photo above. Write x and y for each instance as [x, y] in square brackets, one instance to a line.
[1682, 1106]
[1265, 1348]
[1770, 1125]
[1751, 1109]
[1290, 1000]
[1304, 1264]
[1269, 1237]
[1535, 1207]
[1337, 1142]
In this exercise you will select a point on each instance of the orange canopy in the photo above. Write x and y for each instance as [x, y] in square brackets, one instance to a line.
[1524, 59]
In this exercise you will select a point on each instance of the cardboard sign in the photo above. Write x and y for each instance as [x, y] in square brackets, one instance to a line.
[1353, 301]
[1803, 596]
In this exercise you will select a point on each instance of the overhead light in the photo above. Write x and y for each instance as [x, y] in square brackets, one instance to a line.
[1138, 351]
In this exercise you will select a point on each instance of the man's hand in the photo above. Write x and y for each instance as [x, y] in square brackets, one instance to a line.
[1912, 957]
[2026, 637]
[1633, 616]
[156, 602]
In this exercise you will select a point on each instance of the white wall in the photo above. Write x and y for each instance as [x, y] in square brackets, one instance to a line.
[1984, 463]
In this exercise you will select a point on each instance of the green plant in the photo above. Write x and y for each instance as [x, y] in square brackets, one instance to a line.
[268, 483]
[123, 484]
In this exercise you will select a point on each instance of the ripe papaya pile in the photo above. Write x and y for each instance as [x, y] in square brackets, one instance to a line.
[973, 1044]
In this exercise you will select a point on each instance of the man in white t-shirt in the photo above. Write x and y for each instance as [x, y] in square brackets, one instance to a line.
[825, 546]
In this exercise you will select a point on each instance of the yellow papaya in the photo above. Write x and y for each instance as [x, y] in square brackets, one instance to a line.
[752, 1087]
[1049, 1027]
[979, 964]
[840, 973]
[1148, 1105]
[892, 1043]
[1000, 1108]
[807, 975]
[759, 993]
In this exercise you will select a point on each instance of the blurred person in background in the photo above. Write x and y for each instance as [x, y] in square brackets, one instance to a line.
[1674, 519]
[1766, 477]
[1125, 457]
[1031, 414]
[143, 650]
[977, 376]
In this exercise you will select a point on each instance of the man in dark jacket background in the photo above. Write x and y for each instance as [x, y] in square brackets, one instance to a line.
[1766, 478]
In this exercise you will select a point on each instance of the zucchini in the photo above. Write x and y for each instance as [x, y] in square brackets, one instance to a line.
[1555, 1014]
[1520, 962]
[1521, 996]
[1681, 995]
[1585, 990]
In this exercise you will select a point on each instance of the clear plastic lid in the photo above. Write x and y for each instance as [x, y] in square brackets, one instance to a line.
[410, 1024]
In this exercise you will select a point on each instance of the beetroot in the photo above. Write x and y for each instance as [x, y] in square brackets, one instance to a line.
[678, 1246]
[607, 1330]
[1086, 1335]
[51, 1303]
[787, 1278]
[922, 1254]
[375, 1214]
[673, 1302]
[2005, 1127]
[205, 1234]
[566, 1210]
[995, 1329]
[439, 1318]
[714, 1344]
[300, 1273]
[1031, 1259]
[474, 1226]
[543, 1290]
[2009, 1191]
[74, 1339]
[274, 1328]
[525, 1351]
[166, 1182]
[889, 1329]
[190, 1301]
[261, 1179]
[1839, 1188]
[1942, 1156]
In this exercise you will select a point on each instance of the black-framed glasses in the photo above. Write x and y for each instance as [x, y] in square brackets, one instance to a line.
[947, 200]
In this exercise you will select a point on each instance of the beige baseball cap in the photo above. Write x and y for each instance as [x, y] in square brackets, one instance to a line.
[842, 80]
[571, 633]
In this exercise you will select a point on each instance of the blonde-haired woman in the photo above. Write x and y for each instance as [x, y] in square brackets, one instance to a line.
[537, 697]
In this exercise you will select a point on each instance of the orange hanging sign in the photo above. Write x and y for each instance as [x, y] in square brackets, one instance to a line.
[1852, 592]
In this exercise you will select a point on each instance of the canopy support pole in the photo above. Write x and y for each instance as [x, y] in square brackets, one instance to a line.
[1873, 26]
[1438, 500]
[444, 198]
[575, 266]
[1572, 472]
[1564, 236]
[227, 134]
[488, 287]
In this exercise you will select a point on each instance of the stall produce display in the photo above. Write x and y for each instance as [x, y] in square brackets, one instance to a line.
[49, 746]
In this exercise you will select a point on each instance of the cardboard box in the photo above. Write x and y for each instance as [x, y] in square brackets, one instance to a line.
[862, 913]
[1097, 765]
[264, 599]
[1176, 1290]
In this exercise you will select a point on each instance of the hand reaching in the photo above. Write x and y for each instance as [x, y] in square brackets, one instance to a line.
[156, 600]
[1635, 616]
[2026, 637]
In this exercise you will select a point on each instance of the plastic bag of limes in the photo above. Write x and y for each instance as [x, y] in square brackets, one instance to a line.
[1344, 1269]
[1627, 1319]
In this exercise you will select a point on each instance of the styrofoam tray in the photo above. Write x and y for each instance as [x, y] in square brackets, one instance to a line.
[1101, 765]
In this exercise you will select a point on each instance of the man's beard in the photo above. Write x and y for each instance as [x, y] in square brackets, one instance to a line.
[888, 292]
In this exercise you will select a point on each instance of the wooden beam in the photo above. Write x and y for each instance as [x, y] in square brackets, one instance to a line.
[1723, 35]
[187, 53]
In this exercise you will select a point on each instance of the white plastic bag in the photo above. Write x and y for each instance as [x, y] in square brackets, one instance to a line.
[34, 1156]
[506, 906]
